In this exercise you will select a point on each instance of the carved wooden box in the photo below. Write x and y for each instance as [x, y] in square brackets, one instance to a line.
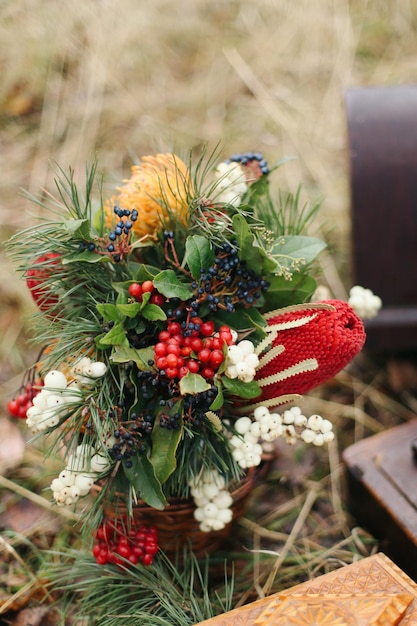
[382, 484]
[371, 592]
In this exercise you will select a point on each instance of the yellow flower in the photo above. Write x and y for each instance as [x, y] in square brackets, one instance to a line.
[159, 189]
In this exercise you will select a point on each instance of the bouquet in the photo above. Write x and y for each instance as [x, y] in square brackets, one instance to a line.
[175, 319]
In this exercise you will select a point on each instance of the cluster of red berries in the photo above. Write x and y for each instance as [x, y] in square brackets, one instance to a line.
[117, 541]
[19, 405]
[196, 351]
[136, 290]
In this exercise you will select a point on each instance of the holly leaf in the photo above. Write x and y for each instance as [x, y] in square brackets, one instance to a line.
[142, 476]
[169, 285]
[140, 357]
[198, 255]
[164, 447]
[193, 384]
[238, 388]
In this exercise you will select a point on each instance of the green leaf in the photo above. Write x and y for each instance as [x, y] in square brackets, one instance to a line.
[169, 285]
[282, 292]
[115, 337]
[140, 356]
[129, 310]
[198, 255]
[164, 447]
[142, 476]
[249, 249]
[238, 388]
[193, 384]
[219, 399]
[109, 312]
[78, 229]
[296, 247]
[86, 256]
[153, 312]
[146, 272]
[241, 319]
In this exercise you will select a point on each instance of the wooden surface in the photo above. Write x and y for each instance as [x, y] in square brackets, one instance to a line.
[382, 133]
[371, 592]
[382, 483]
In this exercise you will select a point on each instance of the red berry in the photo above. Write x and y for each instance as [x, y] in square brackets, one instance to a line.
[157, 298]
[196, 343]
[160, 349]
[147, 559]
[193, 366]
[207, 373]
[171, 359]
[173, 348]
[124, 550]
[135, 290]
[204, 355]
[207, 328]
[174, 328]
[183, 371]
[96, 550]
[186, 351]
[164, 336]
[171, 372]
[216, 358]
[217, 343]
[161, 362]
[13, 407]
[147, 286]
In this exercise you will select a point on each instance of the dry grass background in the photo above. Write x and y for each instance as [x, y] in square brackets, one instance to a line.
[125, 78]
[130, 77]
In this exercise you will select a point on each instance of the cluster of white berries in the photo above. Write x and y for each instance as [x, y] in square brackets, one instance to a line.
[231, 183]
[212, 501]
[314, 429]
[247, 450]
[78, 477]
[241, 361]
[86, 371]
[291, 425]
[51, 403]
[364, 302]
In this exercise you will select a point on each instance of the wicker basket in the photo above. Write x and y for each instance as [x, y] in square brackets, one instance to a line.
[176, 524]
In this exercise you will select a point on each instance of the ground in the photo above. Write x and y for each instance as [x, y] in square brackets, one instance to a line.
[127, 79]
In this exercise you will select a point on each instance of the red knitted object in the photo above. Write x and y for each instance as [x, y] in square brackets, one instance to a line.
[311, 343]
[36, 279]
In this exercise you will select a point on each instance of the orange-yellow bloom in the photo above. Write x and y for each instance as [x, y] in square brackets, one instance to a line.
[159, 189]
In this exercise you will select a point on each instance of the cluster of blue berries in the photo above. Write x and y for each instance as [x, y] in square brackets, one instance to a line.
[245, 158]
[196, 406]
[123, 227]
[229, 282]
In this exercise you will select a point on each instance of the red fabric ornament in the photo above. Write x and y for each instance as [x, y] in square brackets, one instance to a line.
[36, 279]
[311, 343]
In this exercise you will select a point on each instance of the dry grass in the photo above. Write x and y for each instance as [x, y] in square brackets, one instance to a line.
[130, 77]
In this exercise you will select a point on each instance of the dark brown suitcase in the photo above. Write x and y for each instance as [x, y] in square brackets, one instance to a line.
[382, 136]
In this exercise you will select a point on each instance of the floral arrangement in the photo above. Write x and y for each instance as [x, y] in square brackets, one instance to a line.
[175, 319]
